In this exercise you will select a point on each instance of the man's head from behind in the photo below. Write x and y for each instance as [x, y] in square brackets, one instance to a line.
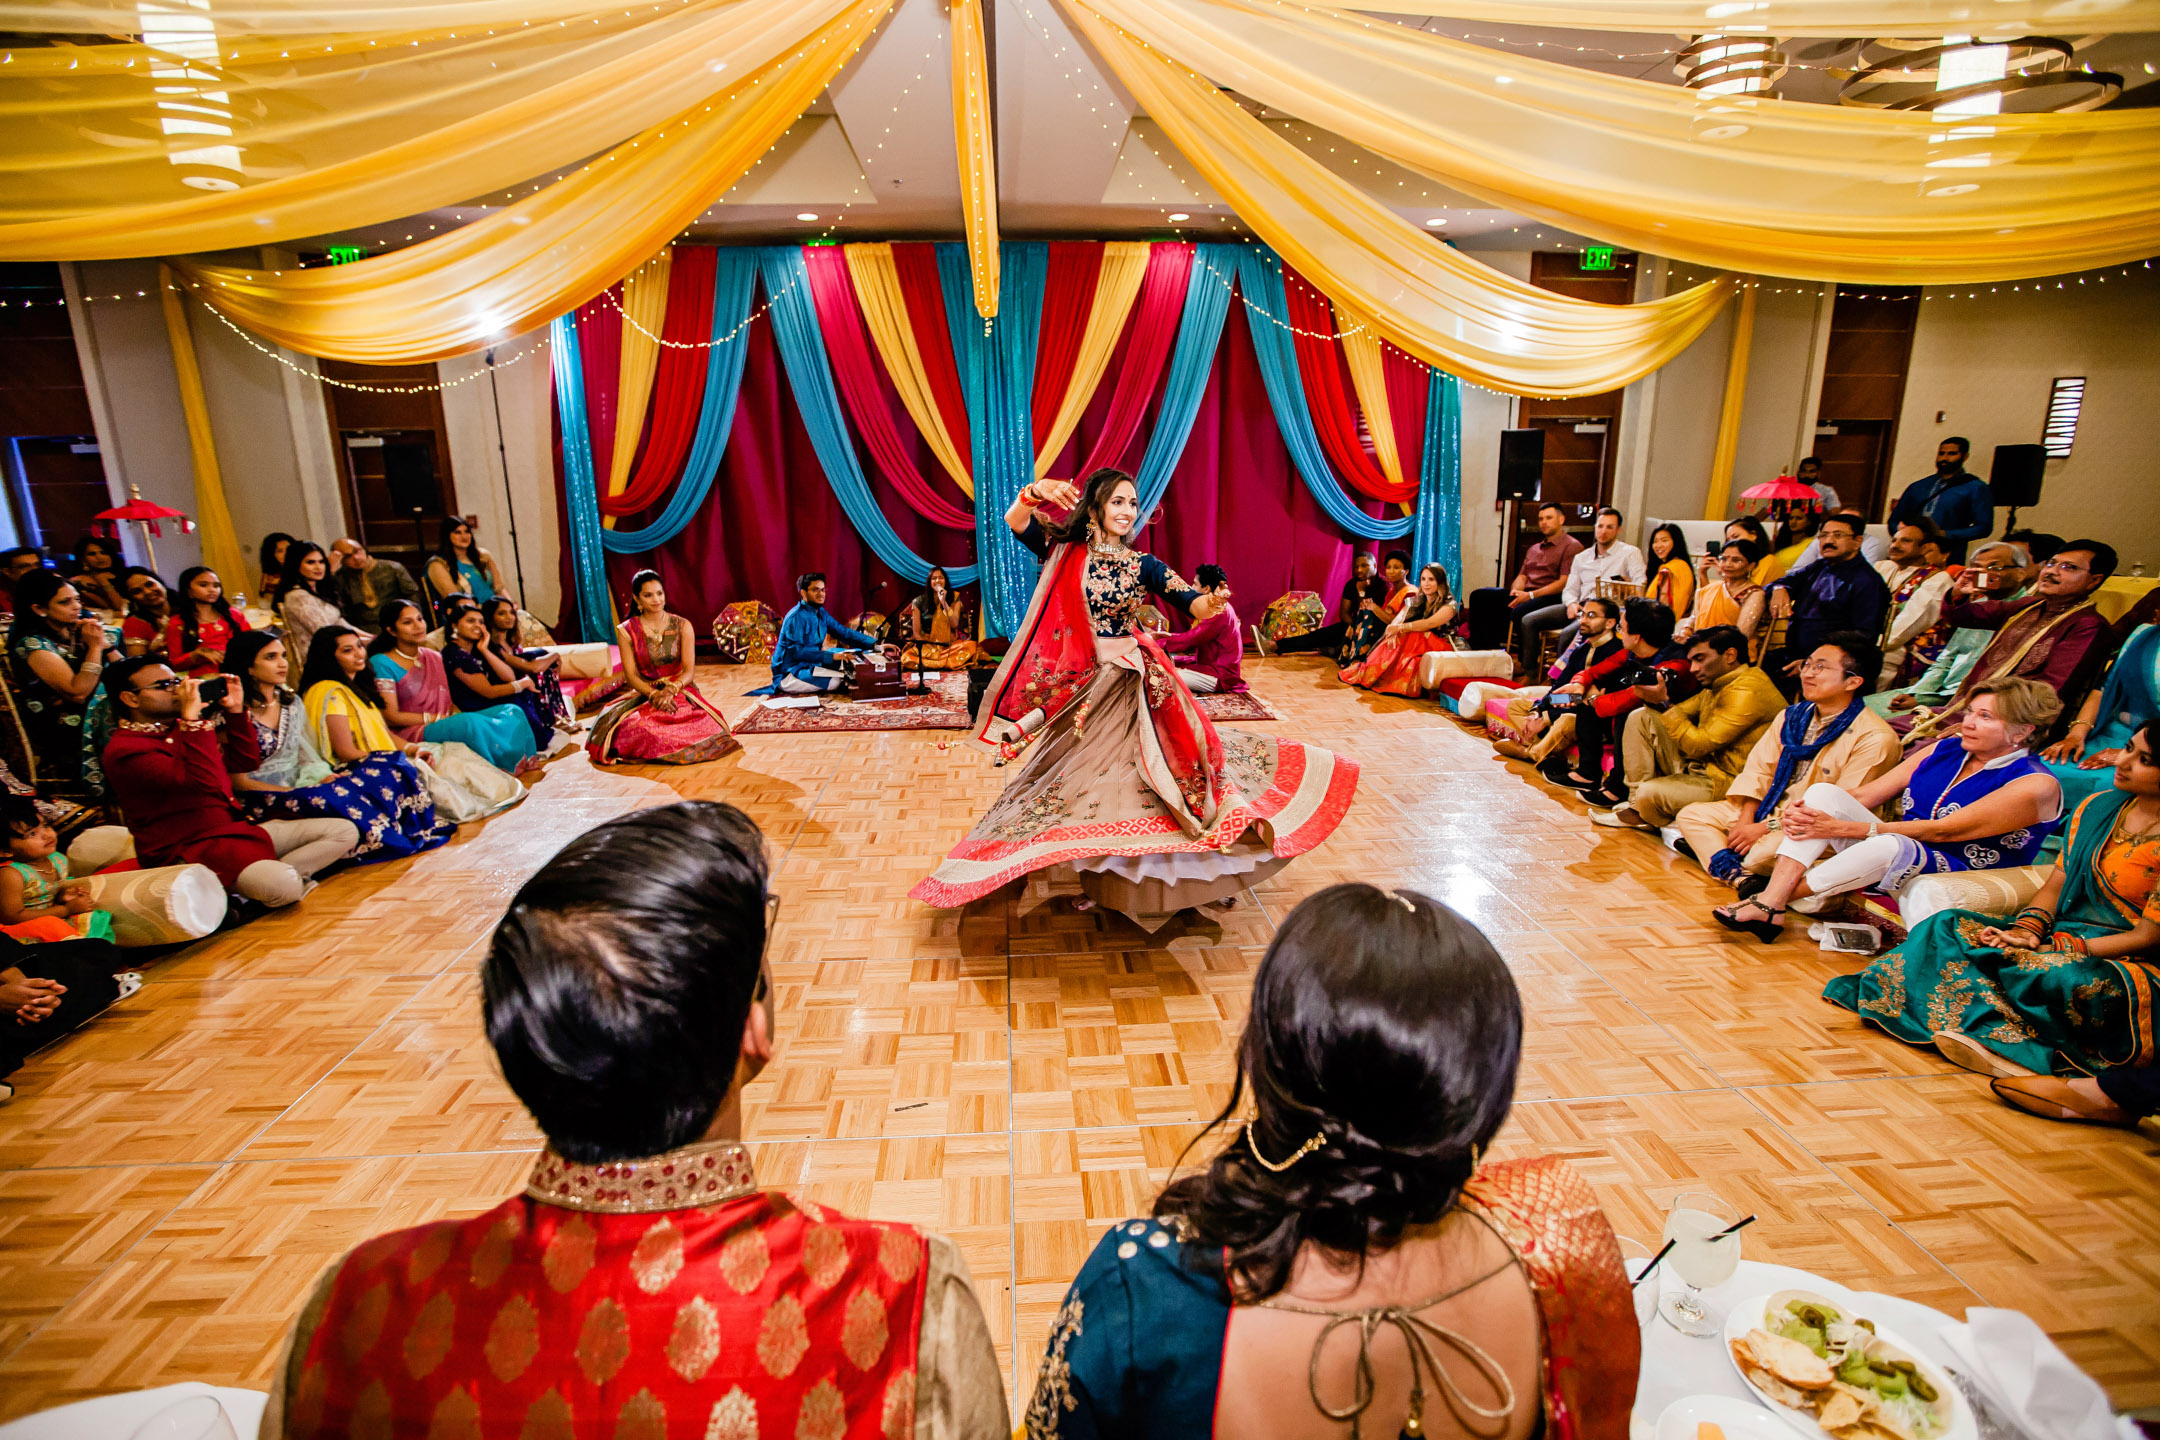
[625, 991]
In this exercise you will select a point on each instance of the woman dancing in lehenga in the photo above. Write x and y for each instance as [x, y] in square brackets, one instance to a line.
[1125, 782]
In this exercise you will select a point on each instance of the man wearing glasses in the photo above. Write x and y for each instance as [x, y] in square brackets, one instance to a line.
[169, 767]
[2052, 636]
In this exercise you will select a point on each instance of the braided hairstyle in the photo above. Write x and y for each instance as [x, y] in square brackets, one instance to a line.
[1385, 1025]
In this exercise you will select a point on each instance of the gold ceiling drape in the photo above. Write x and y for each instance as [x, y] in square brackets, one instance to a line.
[1996, 18]
[1438, 304]
[978, 157]
[1757, 184]
[521, 266]
[301, 145]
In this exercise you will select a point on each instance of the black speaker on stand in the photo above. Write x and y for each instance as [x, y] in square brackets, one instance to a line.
[1522, 472]
[2014, 478]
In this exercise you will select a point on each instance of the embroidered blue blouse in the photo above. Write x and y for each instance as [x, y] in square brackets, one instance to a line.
[1930, 796]
[1119, 580]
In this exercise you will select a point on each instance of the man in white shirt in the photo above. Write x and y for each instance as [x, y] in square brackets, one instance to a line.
[1609, 558]
[1919, 575]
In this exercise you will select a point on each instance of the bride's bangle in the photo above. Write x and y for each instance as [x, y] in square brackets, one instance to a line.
[1029, 498]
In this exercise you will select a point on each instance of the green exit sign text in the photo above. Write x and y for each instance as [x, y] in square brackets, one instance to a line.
[346, 254]
[1597, 257]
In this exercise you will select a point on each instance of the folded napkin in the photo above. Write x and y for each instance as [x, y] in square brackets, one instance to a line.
[2011, 1359]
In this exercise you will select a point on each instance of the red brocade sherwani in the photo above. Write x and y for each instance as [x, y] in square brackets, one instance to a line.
[657, 1298]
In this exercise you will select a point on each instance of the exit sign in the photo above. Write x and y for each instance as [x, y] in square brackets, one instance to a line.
[346, 254]
[1597, 257]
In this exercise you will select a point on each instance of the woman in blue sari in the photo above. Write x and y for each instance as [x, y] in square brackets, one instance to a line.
[2059, 991]
[2084, 759]
[383, 794]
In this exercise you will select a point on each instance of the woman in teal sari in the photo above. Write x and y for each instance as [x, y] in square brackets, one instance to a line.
[2064, 988]
[2084, 759]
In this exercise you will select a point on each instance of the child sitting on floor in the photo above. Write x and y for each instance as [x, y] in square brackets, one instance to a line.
[38, 903]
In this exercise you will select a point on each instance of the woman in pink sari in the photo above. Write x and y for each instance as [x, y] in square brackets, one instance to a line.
[1125, 784]
[666, 719]
[1418, 629]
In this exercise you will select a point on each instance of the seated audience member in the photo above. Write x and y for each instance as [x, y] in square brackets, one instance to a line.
[2057, 1003]
[149, 611]
[1729, 595]
[2039, 543]
[270, 562]
[1827, 737]
[1647, 668]
[1747, 527]
[305, 600]
[665, 719]
[1418, 629]
[2084, 760]
[1874, 548]
[1919, 575]
[14, 564]
[1321, 1275]
[1543, 715]
[1795, 538]
[460, 567]
[1839, 593]
[384, 795]
[936, 626]
[2055, 637]
[56, 657]
[801, 665]
[1953, 497]
[169, 767]
[1608, 559]
[542, 667]
[1976, 800]
[417, 701]
[1384, 599]
[1672, 573]
[642, 1284]
[1328, 639]
[48, 991]
[481, 679]
[1536, 587]
[1210, 657]
[202, 625]
[40, 904]
[97, 574]
[1998, 569]
[1675, 756]
[364, 585]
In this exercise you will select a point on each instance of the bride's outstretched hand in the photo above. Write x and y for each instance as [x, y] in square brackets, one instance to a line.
[1061, 493]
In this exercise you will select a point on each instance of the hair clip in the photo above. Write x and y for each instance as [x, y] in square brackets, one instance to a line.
[1401, 899]
[1296, 1155]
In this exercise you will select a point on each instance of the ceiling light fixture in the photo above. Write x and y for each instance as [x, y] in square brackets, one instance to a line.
[1180, 215]
[807, 215]
[1437, 220]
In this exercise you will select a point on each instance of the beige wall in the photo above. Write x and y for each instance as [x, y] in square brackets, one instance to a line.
[1987, 364]
[527, 410]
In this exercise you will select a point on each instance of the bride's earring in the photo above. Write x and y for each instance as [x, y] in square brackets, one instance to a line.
[1094, 533]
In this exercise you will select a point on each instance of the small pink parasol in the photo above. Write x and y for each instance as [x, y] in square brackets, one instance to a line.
[1780, 496]
[146, 513]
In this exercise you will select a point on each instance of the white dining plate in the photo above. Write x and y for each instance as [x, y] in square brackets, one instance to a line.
[1748, 1315]
[1738, 1419]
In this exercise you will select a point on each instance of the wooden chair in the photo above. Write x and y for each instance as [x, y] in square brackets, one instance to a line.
[1619, 590]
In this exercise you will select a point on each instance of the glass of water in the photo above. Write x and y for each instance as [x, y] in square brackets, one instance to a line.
[1699, 1258]
[198, 1417]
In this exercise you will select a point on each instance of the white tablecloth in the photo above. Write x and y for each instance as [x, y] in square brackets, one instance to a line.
[116, 1417]
[1675, 1365]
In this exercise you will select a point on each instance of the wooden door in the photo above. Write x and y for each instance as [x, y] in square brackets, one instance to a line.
[394, 495]
[1579, 457]
[59, 485]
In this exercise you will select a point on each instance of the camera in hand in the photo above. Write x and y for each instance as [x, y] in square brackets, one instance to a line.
[213, 690]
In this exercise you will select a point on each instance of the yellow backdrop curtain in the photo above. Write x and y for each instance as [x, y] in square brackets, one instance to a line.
[644, 308]
[1117, 287]
[2001, 18]
[1820, 192]
[294, 17]
[321, 143]
[220, 544]
[1361, 351]
[1441, 306]
[877, 291]
[978, 159]
[520, 267]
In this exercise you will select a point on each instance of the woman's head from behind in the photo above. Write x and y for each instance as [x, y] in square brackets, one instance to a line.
[1384, 1027]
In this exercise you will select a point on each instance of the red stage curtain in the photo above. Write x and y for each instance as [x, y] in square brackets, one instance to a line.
[1143, 350]
[1068, 294]
[678, 384]
[1328, 394]
[600, 349]
[915, 262]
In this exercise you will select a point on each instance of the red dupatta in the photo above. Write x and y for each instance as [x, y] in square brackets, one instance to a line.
[1052, 662]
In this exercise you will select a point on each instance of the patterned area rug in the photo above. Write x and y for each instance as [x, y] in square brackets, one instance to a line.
[1235, 707]
[944, 708]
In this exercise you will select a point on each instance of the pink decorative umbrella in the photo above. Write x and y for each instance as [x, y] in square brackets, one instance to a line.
[1780, 496]
[146, 513]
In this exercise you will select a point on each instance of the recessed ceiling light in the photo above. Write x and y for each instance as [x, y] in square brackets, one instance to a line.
[1181, 215]
[1437, 220]
[807, 215]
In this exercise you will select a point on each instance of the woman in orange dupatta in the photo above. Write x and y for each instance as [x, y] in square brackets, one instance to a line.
[1124, 782]
[1349, 1257]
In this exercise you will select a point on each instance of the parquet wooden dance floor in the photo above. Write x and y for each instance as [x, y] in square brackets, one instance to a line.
[1018, 1075]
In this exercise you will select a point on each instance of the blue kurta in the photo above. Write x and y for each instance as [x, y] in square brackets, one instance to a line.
[799, 648]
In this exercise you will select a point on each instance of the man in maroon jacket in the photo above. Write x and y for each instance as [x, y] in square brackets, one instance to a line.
[169, 767]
